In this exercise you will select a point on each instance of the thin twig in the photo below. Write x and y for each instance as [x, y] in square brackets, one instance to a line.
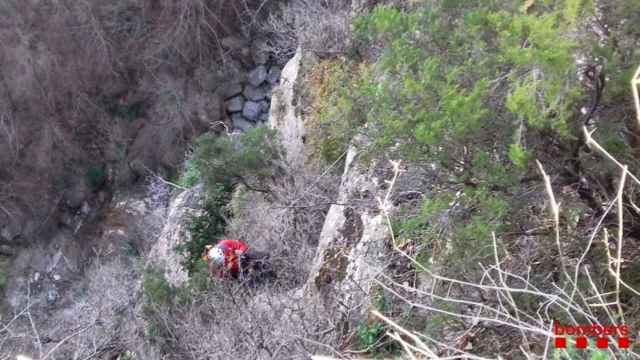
[620, 235]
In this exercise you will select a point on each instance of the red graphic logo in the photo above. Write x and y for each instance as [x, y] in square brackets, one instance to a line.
[582, 334]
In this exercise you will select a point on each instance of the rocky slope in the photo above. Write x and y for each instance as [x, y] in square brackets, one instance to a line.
[94, 287]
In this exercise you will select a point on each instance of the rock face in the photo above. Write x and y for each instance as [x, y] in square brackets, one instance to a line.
[175, 232]
[352, 245]
[351, 249]
[283, 115]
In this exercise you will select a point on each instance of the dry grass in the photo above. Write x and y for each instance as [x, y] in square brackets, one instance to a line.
[99, 321]
[273, 320]
[320, 26]
[287, 222]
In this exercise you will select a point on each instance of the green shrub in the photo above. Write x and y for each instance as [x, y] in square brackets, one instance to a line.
[477, 213]
[121, 151]
[190, 175]
[454, 82]
[518, 156]
[207, 228]
[152, 332]
[127, 355]
[369, 335]
[96, 177]
[251, 159]
[156, 289]
[438, 93]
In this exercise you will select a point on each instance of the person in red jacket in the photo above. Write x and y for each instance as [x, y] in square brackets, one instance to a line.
[224, 258]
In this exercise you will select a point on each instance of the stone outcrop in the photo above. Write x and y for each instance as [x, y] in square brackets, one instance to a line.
[351, 248]
[284, 115]
[176, 231]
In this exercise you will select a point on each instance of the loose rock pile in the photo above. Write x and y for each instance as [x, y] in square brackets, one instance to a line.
[248, 99]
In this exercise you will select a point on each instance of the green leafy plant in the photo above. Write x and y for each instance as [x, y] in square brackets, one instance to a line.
[156, 289]
[448, 71]
[519, 156]
[250, 159]
[121, 151]
[127, 355]
[452, 80]
[369, 335]
[131, 249]
[96, 177]
[206, 228]
[190, 175]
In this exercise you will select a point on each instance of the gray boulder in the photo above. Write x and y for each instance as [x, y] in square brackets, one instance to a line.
[235, 104]
[251, 110]
[175, 232]
[255, 93]
[257, 76]
[273, 76]
[264, 117]
[239, 122]
[264, 106]
[230, 90]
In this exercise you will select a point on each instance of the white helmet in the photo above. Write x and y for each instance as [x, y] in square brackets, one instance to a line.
[216, 255]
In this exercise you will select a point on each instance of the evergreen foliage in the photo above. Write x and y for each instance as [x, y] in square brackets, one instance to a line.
[250, 159]
[157, 290]
[206, 228]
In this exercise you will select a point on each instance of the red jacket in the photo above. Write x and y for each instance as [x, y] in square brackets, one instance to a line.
[231, 261]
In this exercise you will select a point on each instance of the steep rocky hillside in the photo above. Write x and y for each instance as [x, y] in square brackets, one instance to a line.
[430, 179]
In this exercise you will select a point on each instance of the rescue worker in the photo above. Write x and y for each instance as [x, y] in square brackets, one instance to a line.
[224, 258]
